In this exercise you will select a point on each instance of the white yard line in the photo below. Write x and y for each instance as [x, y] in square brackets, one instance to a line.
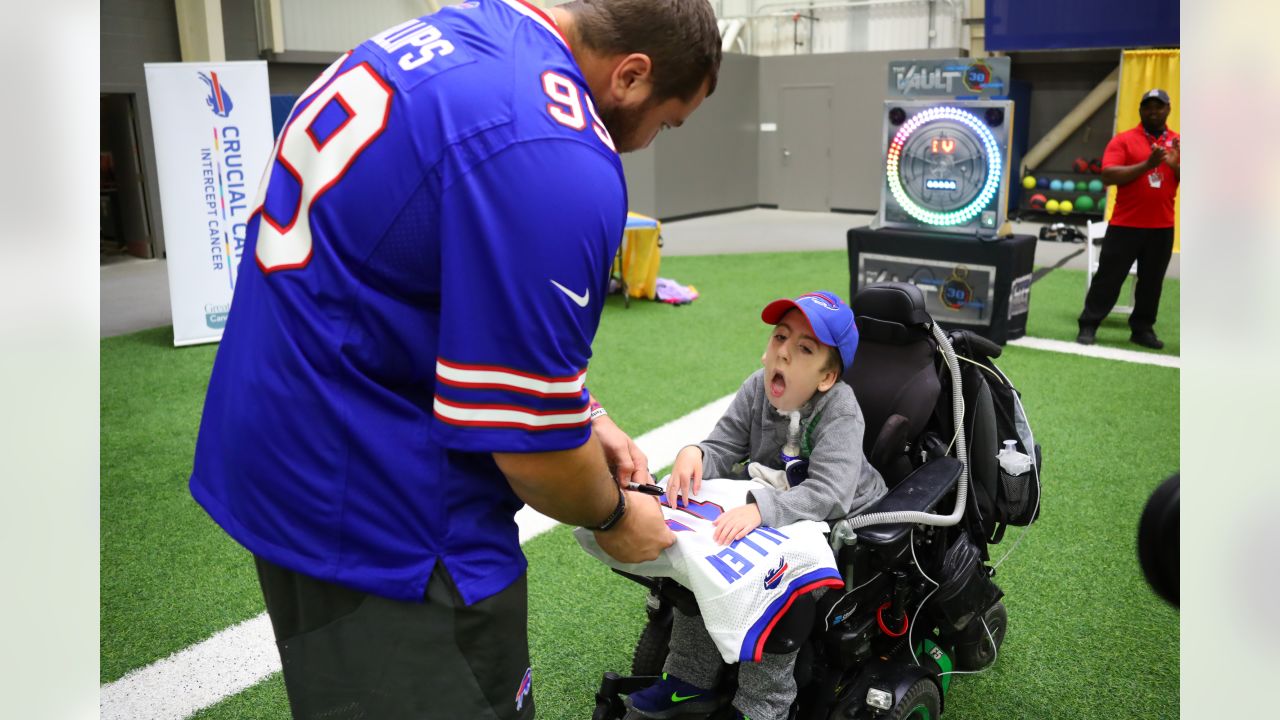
[243, 655]
[1097, 351]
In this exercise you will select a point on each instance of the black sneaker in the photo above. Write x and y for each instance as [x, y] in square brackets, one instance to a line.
[1087, 336]
[1147, 339]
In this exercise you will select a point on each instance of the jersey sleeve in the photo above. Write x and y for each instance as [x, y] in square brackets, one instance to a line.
[526, 241]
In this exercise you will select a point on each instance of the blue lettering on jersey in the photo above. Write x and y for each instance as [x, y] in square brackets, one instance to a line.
[415, 47]
[773, 535]
[746, 540]
[730, 563]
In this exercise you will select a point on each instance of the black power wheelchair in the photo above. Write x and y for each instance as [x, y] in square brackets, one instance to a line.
[919, 601]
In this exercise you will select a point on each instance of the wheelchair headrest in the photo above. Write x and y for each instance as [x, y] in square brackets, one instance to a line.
[891, 312]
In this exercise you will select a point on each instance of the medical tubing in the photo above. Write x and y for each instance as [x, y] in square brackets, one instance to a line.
[962, 452]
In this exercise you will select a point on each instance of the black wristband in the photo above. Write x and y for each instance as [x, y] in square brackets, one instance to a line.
[614, 516]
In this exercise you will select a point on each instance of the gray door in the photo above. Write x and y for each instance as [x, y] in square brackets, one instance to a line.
[806, 148]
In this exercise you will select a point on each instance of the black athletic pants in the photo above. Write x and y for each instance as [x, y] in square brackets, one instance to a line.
[1152, 248]
[349, 655]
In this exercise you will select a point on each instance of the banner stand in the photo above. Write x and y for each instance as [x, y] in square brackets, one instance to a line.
[211, 124]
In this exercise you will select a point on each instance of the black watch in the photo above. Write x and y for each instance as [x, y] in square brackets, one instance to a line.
[614, 516]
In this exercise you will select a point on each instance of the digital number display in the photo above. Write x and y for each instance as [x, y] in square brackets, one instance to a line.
[940, 184]
[943, 146]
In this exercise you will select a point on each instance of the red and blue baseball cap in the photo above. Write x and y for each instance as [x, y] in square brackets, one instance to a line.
[829, 318]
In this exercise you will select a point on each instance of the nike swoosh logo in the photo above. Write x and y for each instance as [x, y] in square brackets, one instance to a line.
[580, 300]
[678, 698]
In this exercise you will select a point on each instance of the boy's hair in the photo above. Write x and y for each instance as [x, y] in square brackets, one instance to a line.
[680, 37]
[834, 363]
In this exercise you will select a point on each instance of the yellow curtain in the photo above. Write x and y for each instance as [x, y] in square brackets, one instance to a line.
[1141, 70]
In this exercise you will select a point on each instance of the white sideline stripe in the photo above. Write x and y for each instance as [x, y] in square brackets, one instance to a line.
[1095, 351]
[197, 677]
[244, 655]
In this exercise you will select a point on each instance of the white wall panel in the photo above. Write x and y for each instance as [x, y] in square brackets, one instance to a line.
[902, 25]
[335, 26]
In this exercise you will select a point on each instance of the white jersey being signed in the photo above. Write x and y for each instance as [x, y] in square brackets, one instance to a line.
[742, 588]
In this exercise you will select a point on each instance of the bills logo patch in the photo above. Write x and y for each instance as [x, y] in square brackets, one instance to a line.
[775, 575]
[526, 685]
[218, 100]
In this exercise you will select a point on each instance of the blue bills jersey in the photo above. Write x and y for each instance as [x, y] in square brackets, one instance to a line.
[432, 244]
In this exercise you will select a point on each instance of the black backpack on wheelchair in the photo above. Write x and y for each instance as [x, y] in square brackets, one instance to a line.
[919, 600]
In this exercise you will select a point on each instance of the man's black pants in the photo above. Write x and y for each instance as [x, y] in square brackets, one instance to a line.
[349, 655]
[1152, 248]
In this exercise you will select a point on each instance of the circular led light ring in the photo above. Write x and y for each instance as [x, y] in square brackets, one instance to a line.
[989, 188]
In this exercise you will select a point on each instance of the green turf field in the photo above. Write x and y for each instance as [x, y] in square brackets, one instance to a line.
[1086, 637]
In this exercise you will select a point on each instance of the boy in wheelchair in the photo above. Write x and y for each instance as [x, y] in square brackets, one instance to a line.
[918, 603]
[800, 429]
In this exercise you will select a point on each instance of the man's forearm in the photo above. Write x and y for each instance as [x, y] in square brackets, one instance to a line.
[572, 486]
[1123, 174]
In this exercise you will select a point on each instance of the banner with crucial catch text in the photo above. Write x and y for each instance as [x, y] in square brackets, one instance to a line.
[212, 128]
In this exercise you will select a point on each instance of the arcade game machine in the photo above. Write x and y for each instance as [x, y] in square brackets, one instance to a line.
[941, 224]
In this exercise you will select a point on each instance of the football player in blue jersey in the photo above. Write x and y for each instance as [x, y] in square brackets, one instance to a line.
[405, 367]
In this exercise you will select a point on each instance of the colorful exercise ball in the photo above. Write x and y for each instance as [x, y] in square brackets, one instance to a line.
[1055, 185]
[1028, 182]
[1037, 201]
[1080, 165]
[1051, 206]
[1042, 183]
[1064, 207]
[1102, 203]
[1084, 203]
[1095, 186]
[1081, 186]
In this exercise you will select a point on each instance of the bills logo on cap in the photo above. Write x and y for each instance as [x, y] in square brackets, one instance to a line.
[775, 575]
[526, 685]
[820, 299]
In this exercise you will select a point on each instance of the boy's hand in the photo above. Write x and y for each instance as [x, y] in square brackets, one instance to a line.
[686, 475]
[736, 523]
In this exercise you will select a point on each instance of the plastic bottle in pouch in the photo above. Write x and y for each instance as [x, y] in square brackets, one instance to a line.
[1018, 497]
[797, 468]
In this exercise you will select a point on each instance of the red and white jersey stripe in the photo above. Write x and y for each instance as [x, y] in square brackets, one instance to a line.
[494, 377]
[508, 416]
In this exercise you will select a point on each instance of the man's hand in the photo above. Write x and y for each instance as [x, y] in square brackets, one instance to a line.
[1173, 156]
[686, 475]
[627, 462]
[1157, 156]
[641, 534]
[736, 523]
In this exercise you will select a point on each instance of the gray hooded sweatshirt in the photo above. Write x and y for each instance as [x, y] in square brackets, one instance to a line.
[841, 481]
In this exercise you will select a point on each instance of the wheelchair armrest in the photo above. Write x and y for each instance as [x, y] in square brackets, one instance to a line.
[918, 492]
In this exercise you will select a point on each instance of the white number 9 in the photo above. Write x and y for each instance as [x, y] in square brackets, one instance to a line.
[318, 164]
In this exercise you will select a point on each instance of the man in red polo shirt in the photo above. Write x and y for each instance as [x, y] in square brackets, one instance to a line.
[1144, 164]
